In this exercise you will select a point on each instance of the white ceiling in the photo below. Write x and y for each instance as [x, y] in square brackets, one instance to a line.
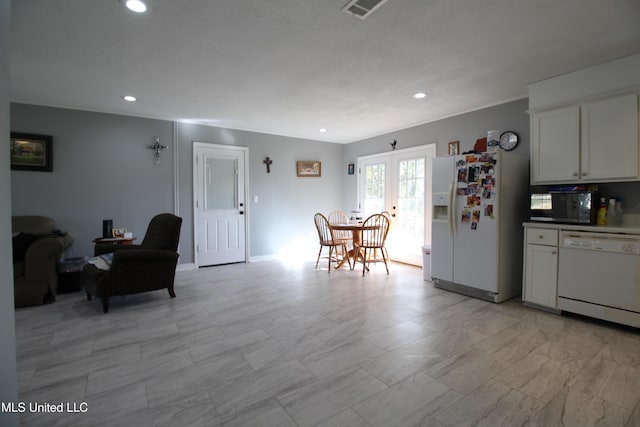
[291, 67]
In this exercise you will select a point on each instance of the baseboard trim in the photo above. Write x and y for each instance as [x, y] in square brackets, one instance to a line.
[192, 265]
[261, 258]
[465, 290]
[186, 267]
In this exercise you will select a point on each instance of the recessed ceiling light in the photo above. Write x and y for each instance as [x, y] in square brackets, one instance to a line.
[137, 6]
[420, 95]
[323, 130]
[129, 98]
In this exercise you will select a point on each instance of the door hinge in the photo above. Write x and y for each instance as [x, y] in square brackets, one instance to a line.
[197, 248]
[197, 204]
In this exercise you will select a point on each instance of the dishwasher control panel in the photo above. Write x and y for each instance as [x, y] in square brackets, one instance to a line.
[631, 248]
[601, 242]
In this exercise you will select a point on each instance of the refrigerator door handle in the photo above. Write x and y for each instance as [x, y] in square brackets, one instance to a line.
[454, 208]
[450, 208]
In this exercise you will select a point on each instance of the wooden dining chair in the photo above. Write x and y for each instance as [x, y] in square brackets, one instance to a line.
[339, 217]
[327, 239]
[374, 235]
[388, 215]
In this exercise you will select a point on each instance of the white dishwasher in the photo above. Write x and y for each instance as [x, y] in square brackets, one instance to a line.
[599, 276]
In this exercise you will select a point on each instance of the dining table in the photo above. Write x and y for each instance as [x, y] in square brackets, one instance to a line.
[356, 229]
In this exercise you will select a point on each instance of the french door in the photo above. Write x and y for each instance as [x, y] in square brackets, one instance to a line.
[219, 204]
[400, 183]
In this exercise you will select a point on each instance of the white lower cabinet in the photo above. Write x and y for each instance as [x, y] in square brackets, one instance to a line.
[541, 267]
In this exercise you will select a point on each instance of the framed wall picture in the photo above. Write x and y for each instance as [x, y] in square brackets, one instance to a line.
[454, 148]
[31, 152]
[308, 169]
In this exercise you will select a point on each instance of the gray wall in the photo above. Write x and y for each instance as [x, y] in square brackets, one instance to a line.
[466, 128]
[626, 192]
[101, 170]
[8, 380]
[283, 217]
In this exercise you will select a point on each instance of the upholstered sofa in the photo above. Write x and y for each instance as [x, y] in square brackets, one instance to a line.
[37, 248]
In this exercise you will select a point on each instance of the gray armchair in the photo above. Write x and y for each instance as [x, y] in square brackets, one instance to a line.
[38, 247]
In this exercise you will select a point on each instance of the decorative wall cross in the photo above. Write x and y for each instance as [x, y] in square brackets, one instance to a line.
[267, 161]
[157, 147]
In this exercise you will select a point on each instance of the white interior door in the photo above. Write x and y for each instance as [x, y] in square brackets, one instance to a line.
[374, 184]
[219, 204]
[400, 183]
[411, 211]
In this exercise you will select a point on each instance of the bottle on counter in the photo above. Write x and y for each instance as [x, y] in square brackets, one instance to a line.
[611, 213]
[602, 212]
[619, 213]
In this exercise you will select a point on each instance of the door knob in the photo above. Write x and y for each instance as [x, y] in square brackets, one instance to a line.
[241, 212]
[393, 215]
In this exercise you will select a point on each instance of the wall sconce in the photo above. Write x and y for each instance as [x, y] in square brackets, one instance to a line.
[157, 147]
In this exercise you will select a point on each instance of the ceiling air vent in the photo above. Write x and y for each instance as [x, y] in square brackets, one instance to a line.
[362, 8]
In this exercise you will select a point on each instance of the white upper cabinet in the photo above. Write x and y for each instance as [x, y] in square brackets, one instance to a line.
[584, 125]
[555, 145]
[591, 142]
[610, 139]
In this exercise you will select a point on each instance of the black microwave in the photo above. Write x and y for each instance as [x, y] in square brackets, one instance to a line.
[567, 205]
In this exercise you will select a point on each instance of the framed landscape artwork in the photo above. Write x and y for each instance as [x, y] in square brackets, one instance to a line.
[308, 168]
[31, 152]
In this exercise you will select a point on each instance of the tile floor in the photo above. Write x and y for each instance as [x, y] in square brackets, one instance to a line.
[266, 344]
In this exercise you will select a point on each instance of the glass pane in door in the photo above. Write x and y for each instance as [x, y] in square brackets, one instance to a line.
[220, 183]
[409, 224]
[374, 197]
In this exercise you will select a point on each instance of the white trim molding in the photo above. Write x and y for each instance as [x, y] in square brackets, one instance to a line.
[186, 266]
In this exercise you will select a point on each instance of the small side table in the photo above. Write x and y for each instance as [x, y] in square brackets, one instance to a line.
[115, 240]
[70, 274]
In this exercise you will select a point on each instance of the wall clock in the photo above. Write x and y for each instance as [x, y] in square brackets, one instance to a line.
[509, 140]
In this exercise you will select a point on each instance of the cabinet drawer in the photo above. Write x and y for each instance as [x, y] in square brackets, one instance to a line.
[542, 236]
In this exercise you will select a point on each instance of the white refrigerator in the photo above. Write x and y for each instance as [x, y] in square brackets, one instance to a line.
[479, 204]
